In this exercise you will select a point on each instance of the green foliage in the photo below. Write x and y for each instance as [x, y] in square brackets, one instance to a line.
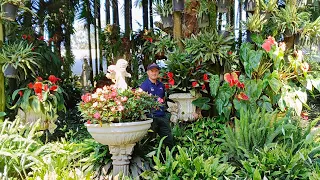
[200, 136]
[21, 57]
[183, 166]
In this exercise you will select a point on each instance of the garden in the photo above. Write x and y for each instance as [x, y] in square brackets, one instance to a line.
[241, 80]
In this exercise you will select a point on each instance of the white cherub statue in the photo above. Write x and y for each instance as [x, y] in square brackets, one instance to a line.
[85, 75]
[118, 74]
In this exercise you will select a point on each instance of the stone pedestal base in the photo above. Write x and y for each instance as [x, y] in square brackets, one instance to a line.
[121, 155]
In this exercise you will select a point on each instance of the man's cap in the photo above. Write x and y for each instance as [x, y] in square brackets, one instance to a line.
[153, 65]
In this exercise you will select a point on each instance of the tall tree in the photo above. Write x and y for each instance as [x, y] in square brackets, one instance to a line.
[99, 35]
[127, 17]
[145, 14]
[151, 13]
[88, 20]
[107, 6]
[115, 12]
[95, 35]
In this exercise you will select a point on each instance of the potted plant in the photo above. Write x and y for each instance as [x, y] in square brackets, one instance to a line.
[164, 9]
[117, 118]
[254, 24]
[19, 57]
[184, 79]
[10, 8]
[40, 99]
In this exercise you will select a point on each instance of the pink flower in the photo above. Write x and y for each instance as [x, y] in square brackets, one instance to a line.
[304, 115]
[160, 100]
[120, 108]
[97, 115]
[86, 97]
[124, 99]
[268, 43]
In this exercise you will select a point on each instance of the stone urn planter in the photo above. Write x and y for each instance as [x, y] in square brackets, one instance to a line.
[182, 109]
[121, 138]
[30, 117]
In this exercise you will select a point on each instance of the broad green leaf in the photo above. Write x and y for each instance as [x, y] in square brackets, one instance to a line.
[2, 114]
[316, 83]
[202, 103]
[214, 84]
[275, 84]
[256, 175]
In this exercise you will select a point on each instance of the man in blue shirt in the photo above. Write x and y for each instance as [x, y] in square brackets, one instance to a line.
[153, 86]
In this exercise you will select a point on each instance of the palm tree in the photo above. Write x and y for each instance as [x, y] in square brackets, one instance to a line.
[107, 6]
[150, 13]
[95, 12]
[145, 14]
[115, 12]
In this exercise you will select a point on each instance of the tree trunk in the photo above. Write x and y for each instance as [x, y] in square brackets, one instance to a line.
[99, 41]
[190, 18]
[89, 39]
[177, 28]
[145, 14]
[130, 12]
[95, 37]
[151, 14]
[115, 12]
[107, 5]
[127, 18]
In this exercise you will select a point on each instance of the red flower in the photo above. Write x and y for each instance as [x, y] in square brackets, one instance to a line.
[166, 86]
[39, 79]
[30, 85]
[53, 88]
[53, 79]
[21, 93]
[41, 38]
[37, 87]
[194, 84]
[88, 122]
[242, 96]
[232, 78]
[205, 77]
[28, 37]
[240, 85]
[230, 52]
[171, 82]
[203, 87]
[170, 75]
[24, 36]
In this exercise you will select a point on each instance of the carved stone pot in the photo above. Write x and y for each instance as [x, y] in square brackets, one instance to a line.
[121, 138]
[186, 111]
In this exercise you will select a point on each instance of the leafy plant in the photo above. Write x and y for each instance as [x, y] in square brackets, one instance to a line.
[163, 8]
[255, 22]
[20, 56]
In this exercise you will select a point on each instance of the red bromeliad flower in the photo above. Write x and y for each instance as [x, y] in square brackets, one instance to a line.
[242, 96]
[268, 43]
[194, 84]
[205, 77]
[53, 79]
[232, 78]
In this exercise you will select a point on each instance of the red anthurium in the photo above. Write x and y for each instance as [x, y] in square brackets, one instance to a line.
[24, 36]
[21, 93]
[203, 87]
[171, 82]
[37, 87]
[166, 86]
[242, 96]
[53, 79]
[240, 85]
[53, 88]
[205, 77]
[232, 78]
[268, 43]
[194, 84]
[170, 75]
[30, 85]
